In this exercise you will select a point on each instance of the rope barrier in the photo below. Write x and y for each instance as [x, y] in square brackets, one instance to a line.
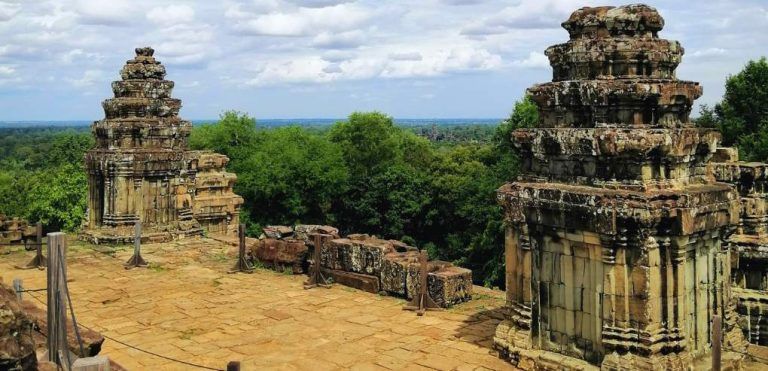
[142, 350]
[71, 309]
[31, 290]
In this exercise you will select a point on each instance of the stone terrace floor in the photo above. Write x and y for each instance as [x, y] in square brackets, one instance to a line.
[187, 307]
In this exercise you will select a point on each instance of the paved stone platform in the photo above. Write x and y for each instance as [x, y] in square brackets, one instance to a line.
[186, 306]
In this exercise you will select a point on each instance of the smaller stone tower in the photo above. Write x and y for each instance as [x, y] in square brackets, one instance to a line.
[140, 169]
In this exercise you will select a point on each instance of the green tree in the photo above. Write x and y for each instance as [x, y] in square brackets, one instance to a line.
[524, 115]
[291, 176]
[742, 116]
[57, 197]
[233, 135]
[367, 142]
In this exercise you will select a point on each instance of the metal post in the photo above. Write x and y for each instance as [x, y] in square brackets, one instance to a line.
[233, 366]
[136, 260]
[242, 265]
[316, 278]
[18, 288]
[717, 341]
[57, 318]
[422, 302]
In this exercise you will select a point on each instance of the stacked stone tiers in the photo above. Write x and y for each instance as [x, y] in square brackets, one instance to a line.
[140, 169]
[615, 103]
[621, 158]
[610, 58]
[615, 227]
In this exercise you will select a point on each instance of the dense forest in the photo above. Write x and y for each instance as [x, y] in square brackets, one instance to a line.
[432, 186]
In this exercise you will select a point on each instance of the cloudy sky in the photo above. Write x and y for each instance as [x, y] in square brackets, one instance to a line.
[327, 58]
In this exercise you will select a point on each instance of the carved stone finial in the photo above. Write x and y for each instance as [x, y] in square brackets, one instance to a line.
[145, 51]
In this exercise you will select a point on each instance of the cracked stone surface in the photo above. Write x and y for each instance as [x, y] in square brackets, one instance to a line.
[186, 306]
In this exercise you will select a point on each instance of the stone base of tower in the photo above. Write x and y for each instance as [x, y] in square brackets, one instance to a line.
[514, 344]
[153, 234]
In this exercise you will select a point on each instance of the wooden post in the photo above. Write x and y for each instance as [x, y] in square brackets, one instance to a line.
[17, 287]
[57, 290]
[316, 278]
[717, 341]
[422, 301]
[39, 261]
[136, 260]
[233, 366]
[242, 264]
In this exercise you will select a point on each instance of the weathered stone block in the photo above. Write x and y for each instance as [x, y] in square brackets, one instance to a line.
[304, 232]
[359, 256]
[277, 231]
[362, 282]
[282, 254]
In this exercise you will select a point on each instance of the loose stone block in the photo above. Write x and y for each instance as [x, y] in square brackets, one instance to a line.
[362, 282]
[282, 254]
[450, 285]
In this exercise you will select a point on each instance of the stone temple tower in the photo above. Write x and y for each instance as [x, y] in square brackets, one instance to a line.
[614, 252]
[140, 169]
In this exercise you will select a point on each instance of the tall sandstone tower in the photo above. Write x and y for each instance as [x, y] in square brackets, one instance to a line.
[614, 241]
[141, 170]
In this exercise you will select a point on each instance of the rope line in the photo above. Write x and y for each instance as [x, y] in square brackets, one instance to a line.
[30, 290]
[69, 300]
[142, 350]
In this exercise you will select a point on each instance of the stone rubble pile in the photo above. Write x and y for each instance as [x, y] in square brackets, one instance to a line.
[15, 230]
[361, 261]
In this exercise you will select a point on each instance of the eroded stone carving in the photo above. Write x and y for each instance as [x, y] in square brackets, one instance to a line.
[140, 168]
[614, 241]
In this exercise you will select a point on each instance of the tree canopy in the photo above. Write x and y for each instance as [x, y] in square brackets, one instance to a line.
[742, 115]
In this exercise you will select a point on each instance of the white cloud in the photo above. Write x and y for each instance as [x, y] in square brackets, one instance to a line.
[709, 52]
[340, 40]
[6, 71]
[110, 13]
[8, 11]
[534, 60]
[171, 14]
[319, 3]
[318, 70]
[335, 56]
[305, 21]
[405, 56]
[527, 14]
[88, 79]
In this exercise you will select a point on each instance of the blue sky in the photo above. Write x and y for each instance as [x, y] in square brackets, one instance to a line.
[327, 58]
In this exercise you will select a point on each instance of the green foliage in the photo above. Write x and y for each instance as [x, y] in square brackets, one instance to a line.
[742, 116]
[232, 135]
[525, 115]
[58, 197]
[290, 176]
[366, 140]
[42, 176]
